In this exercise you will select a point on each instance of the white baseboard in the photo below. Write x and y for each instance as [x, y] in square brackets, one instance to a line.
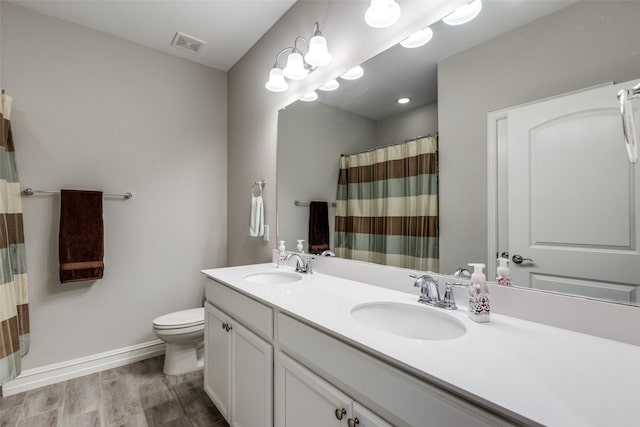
[50, 374]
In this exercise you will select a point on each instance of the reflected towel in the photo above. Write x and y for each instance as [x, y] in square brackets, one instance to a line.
[318, 227]
[81, 239]
[256, 226]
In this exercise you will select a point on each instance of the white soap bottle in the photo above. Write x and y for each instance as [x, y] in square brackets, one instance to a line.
[479, 309]
[282, 253]
[503, 274]
[300, 246]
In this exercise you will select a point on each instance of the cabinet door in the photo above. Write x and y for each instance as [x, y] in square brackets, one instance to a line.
[362, 417]
[304, 399]
[217, 348]
[252, 380]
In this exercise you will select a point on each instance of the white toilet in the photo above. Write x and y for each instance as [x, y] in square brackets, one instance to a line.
[183, 331]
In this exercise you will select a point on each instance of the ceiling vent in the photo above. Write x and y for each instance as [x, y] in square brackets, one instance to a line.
[187, 43]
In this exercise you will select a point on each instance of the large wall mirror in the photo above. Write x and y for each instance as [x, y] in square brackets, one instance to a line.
[478, 86]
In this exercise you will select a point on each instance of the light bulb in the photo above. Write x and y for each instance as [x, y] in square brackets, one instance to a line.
[417, 39]
[295, 67]
[404, 100]
[310, 96]
[464, 14]
[318, 54]
[353, 74]
[330, 85]
[276, 82]
[382, 13]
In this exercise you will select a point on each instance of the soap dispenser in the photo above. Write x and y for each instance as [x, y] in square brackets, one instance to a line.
[300, 246]
[503, 274]
[282, 254]
[479, 309]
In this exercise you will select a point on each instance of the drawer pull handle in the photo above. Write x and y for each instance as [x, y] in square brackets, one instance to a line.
[353, 422]
[224, 326]
[229, 327]
[340, 413]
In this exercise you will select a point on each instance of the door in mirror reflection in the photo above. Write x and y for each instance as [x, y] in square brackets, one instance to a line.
[573, 197]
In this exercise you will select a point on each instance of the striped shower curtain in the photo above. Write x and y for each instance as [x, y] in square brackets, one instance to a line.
[14, 308]
[387, 206]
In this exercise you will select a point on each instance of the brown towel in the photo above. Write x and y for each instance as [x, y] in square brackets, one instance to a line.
[81, 240]
[318, 227]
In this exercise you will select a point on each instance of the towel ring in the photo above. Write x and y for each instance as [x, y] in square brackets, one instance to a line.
[260, 185]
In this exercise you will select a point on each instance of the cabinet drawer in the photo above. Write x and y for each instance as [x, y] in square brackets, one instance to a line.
[253, 314]
[402, 398]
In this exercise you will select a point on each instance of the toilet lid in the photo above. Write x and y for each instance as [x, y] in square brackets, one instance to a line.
[180, 319]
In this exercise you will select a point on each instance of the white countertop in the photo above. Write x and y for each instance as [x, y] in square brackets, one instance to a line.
[552, 376]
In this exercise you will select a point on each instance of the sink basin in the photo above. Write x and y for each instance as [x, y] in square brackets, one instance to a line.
[409, 321]
[273, 277]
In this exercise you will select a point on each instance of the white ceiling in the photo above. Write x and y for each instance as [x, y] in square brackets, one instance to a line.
[230, 27]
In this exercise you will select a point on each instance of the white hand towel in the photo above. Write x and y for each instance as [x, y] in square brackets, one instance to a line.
[256, 226]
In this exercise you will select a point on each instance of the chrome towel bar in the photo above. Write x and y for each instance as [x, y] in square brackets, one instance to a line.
[31, 192]
[308, 203]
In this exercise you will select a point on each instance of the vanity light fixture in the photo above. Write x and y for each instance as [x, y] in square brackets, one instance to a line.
[330, 85]
[276, 82]
[382, 13]
[404, 100]
[318, 54]
[353, 74]
[463, 14]
[298, 66]
[295, 69]
[417, 39]
[310, 96]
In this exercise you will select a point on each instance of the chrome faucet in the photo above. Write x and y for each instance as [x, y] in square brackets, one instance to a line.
[462, 273]
[430, 292]
[303, 263]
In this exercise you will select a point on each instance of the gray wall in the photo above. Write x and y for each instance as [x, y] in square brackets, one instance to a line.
[92, 111]
[420, 121]
[311, 137]
[583, 45]
[253, 110]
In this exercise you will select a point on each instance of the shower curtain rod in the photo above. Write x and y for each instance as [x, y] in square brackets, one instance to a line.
[429, 135]
[31, 192]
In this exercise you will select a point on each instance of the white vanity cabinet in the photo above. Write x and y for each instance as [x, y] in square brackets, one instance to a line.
[238, 374]
[399, 397]
[217, 356]
[318, 378]
[304, 399]
[362, 417]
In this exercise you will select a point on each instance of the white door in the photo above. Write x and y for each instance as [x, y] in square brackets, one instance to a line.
[217, 347]
[252, 379]
[573, 197]
[362, 417]
[304, 399]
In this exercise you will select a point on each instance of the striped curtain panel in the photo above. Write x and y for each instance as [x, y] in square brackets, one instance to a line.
[14, 308]
[387, 206]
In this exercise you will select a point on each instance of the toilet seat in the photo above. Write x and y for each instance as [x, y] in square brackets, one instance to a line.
[191, 318]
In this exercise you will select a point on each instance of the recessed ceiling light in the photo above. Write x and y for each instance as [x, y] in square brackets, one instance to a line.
[330, 85]
[404, 100]
[463, 14]
[417, 39]
[353, 74]
[310, 97]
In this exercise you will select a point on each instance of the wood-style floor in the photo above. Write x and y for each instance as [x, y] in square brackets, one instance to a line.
[133, 395]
